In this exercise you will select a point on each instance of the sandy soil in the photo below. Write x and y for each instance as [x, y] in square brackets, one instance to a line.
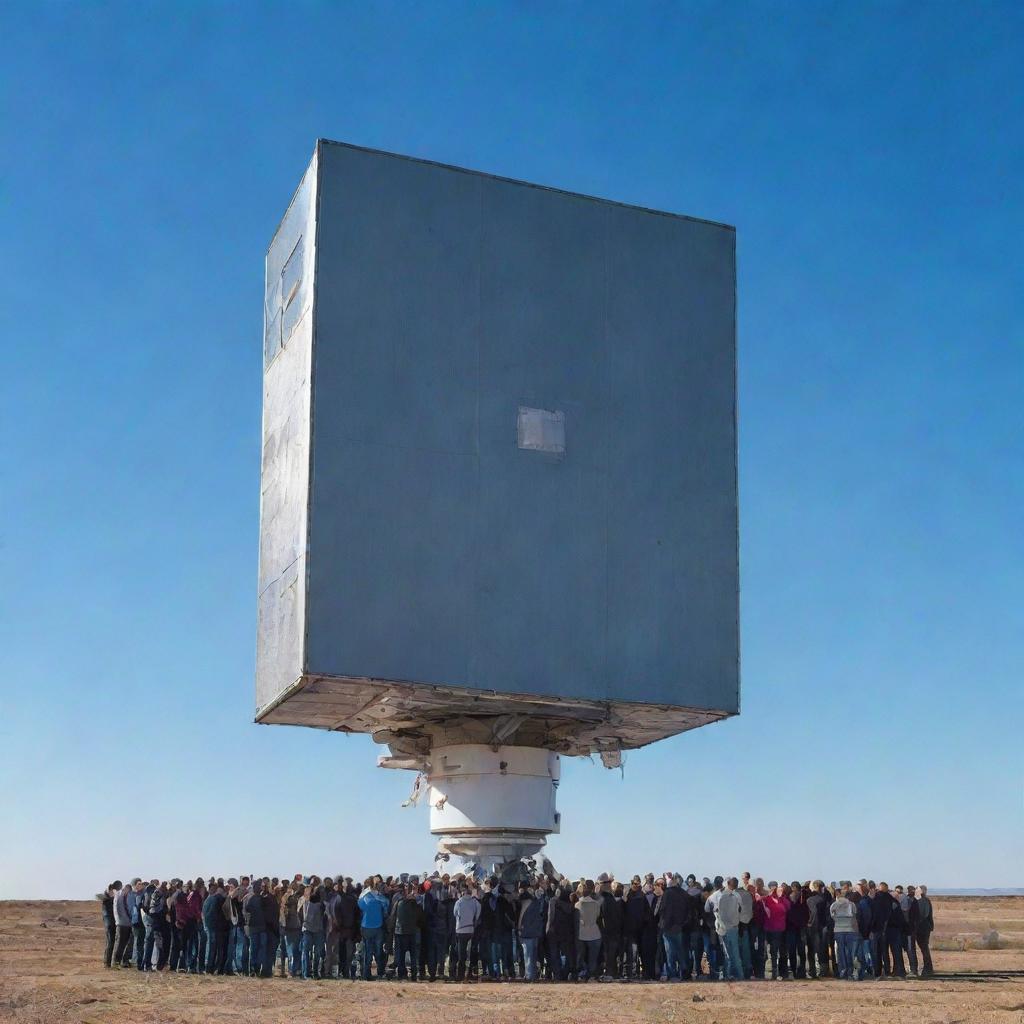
[51, 970]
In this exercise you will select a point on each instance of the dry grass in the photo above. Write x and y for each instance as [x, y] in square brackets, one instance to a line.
[50, 972]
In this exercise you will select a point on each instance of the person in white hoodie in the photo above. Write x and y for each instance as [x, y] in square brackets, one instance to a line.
[467, 914]
[844, 915]
[728, 907]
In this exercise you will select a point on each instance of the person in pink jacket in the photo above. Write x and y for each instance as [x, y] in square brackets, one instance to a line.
[776, 906]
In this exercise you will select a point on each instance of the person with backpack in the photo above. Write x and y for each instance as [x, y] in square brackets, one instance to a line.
[157, 930]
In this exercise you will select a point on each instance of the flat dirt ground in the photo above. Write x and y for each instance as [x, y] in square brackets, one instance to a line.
[51, 971]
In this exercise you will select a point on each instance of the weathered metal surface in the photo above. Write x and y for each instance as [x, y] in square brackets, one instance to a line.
[586, 580]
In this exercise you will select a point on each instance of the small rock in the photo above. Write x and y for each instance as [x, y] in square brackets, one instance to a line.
[63, 920]
[698, 998]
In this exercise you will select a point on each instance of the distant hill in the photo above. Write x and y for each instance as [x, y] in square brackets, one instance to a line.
[976, 892]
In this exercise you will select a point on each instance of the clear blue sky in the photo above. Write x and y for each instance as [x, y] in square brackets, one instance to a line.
[871, 157]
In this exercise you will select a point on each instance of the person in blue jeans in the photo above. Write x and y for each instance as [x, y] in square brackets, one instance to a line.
[408, 919]
[531, 925]
[255, 928]
[373, 908]
[313, 918]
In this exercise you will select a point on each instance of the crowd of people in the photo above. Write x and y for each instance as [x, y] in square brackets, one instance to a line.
[455, 928]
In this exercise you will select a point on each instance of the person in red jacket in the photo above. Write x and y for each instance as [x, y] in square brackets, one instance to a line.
[757, 950]
[188, 912]
[776, 907]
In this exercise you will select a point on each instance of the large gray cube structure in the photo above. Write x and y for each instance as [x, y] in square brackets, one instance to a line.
[499, 462]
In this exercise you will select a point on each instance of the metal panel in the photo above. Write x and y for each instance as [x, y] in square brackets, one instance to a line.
[596, 565]
[286, 428]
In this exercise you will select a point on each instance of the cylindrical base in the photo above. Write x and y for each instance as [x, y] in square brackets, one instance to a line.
[492, 806]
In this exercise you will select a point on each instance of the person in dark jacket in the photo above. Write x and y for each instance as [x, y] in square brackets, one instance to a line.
[882, 908]
[216, 927]
[818, 919]
[674, 914]
[561, 935]
[255, 928]
[272, 922]
[497, 918]
[924, 928]
[106, 899]
[637, 918]
[430, 952]
[531, 928]
[866, 949]
[796, 931]
[407, 919]
[158, 931]
[346, 922]
[908, 905]
[612, 922]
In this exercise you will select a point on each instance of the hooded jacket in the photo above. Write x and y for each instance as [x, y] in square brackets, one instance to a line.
[727, 911]
[122, 912]
[155, 908]
[844, 913]
[467, 913]
[373, 909]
